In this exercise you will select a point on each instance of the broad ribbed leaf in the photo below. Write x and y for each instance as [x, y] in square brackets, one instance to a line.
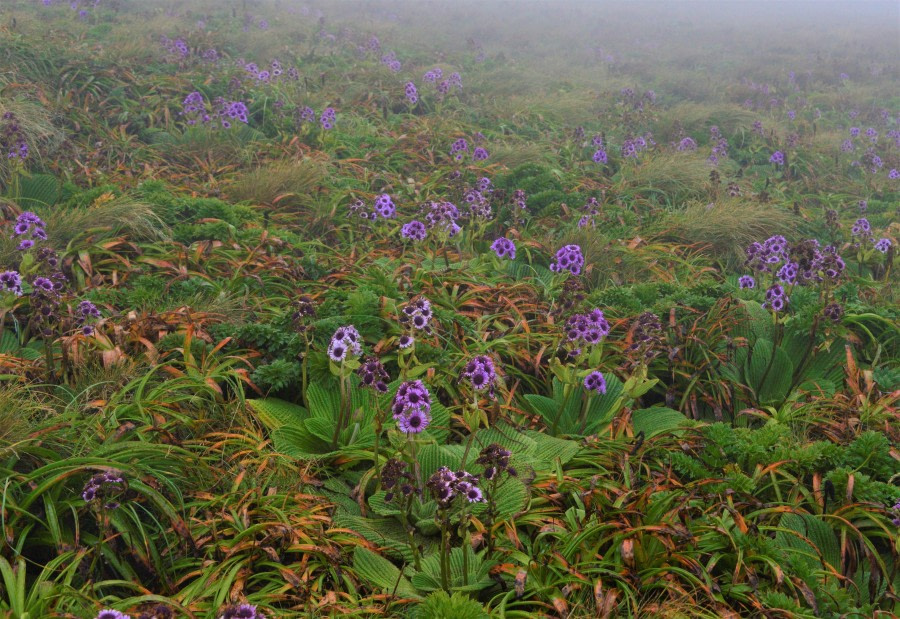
[813, 543]
[298, 442]
[274, 413]
[381, 573]
[653, 421]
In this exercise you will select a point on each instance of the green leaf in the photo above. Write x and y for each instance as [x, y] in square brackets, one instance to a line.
[653, 421]
[770, 372]
[274, 413]
[37, 190]
[812, 542]
[323, 403]
[381, 573]
[298, 442]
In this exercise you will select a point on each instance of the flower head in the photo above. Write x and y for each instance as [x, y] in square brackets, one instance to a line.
[777, 158]
[417, 315]
[384, 207]
[746, 281]
[414, 231]
[480, 374]
[568, 258]
[595, 382]
[11, 281]
[504, 248]
[372, 374]
[412, 407]
[345, 343]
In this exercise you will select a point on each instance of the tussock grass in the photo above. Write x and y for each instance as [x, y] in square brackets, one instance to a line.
[286, 183]
[679, 176]
[725, 229]
[696, 118]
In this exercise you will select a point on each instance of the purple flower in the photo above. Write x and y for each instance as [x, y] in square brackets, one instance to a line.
[406, 341]
[833, 312]
[861, 228]
[414, 231]
[687, 144]
[894, 174]
[327, 118]
[11, 281]
[372, 374]
[595, 382]
[568, 258]
[504, 248]
[600, 156]
[241, 611]
[863, 206]
[480, 374]
[384, 207]
[586, 329]
[459, 147]
[746, 281]
[345, 343]
[412, 94]
[787, 274]
[777, 158]
[883, 245]
[109, 613]
[305, 115]
[433, 75]
[85, 314]
[417, 315]
[775, 298]
[470, 492]
[106, 486]
[480, 154]
[412, 407]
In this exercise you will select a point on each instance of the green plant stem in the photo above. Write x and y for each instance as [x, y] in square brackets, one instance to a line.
[562, 409]
[340, 421]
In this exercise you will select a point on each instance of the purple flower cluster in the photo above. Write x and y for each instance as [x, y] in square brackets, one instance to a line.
[746, 281]
[478, 205]
[104, 487]
[591, 209]
[896, 510]
[11, 281]
[304, 114]
[775, 298]
[504, 248]
[762, 257]
[345, 343]
[432, 76]
[445, 485]
[495, 460]
[29, 224]
[46, 297]
[175, 47]
[12, 138]
[412, 407]
[327, 118]
[595, 382]
[833, 312]
[395, 476]
[480, 154]
[862, 228]
[417, 315]
[480, 374]
[196, 110]
[687, 144]
[412, 94]
[883, 245]
[586, 329]
[372, 374]
[442, 215]
[241, 611]
[600, 156]
[647, 336]
[109, 613]
[632, 147]
[384, 207]
[414, 231]
[568, 258]
[85, 314]
[459, 148]
[777, 158]
[391, 62]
